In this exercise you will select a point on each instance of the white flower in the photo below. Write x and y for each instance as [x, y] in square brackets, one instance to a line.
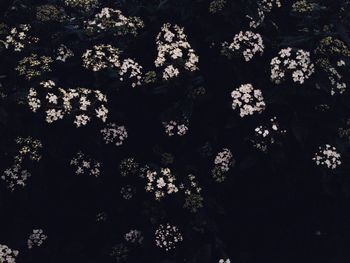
[114, 134]
[161, 183]
[327, 156]
[36, 239]
[7, 255]
[173, 47]
[296, 64]
[85, 165]
[167, 236]
[246, 43]
[248, 100]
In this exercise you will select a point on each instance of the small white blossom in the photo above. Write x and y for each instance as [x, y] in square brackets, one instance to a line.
[8, 255]
[244, 43]
[295, 64]
[248, 100]
[83, 164]
[167, 236]
[161, 183]
[327, 156]
[36, 239]
[114, 134]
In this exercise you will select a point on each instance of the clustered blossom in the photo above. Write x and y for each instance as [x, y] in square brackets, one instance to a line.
[327, 156]
[132, 70]
[85, 165]
[296, 64]
[192, 191]
[225, 260]
[113, 133]
[48, 12]
[28, 147]
[36, 239]
[172, 127]
[85, 5]
[15, 176]
[129, 167]
[167, 236]
[248, 100]
[174, 51]
[266, 135]
[224, 160]
[264, 6]
[216, 6]
[101, 57]
[7, 255]
[109, 19]
[58, 102]
[332, 54]
[222, 163]
[28, 150]
[161, 183]
[134, 236]
[63, 53]
[19, 38]
[34, 66]
[105, 56]
[246, 43]
[303, 6]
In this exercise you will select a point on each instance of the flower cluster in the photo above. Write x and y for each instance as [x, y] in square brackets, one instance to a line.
[7, 255]
[36, 239]
[297, 64]
[58, 102]
[101, 57]
[332, 54]
[129, 167]
[19, 38]
[174, 51]
[192, 191]
[45, 13]
[84, 5]
[28, 149]
[302, 6]
[266, 135]
[225, 260]
[85, 165]
[34, 66]
[172, 128]
[134, 236]
[132, 70]
[222, 164]
[161, 183]
[248, 100]
[15, 176]
[216, 6]
[167, 236]
[224, 160]
[109, 19]
[327, 156]
[113, 133]
[246, 43]
[264, 6]
[63, 53]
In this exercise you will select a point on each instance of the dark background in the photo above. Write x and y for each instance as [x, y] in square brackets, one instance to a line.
[274, 207]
